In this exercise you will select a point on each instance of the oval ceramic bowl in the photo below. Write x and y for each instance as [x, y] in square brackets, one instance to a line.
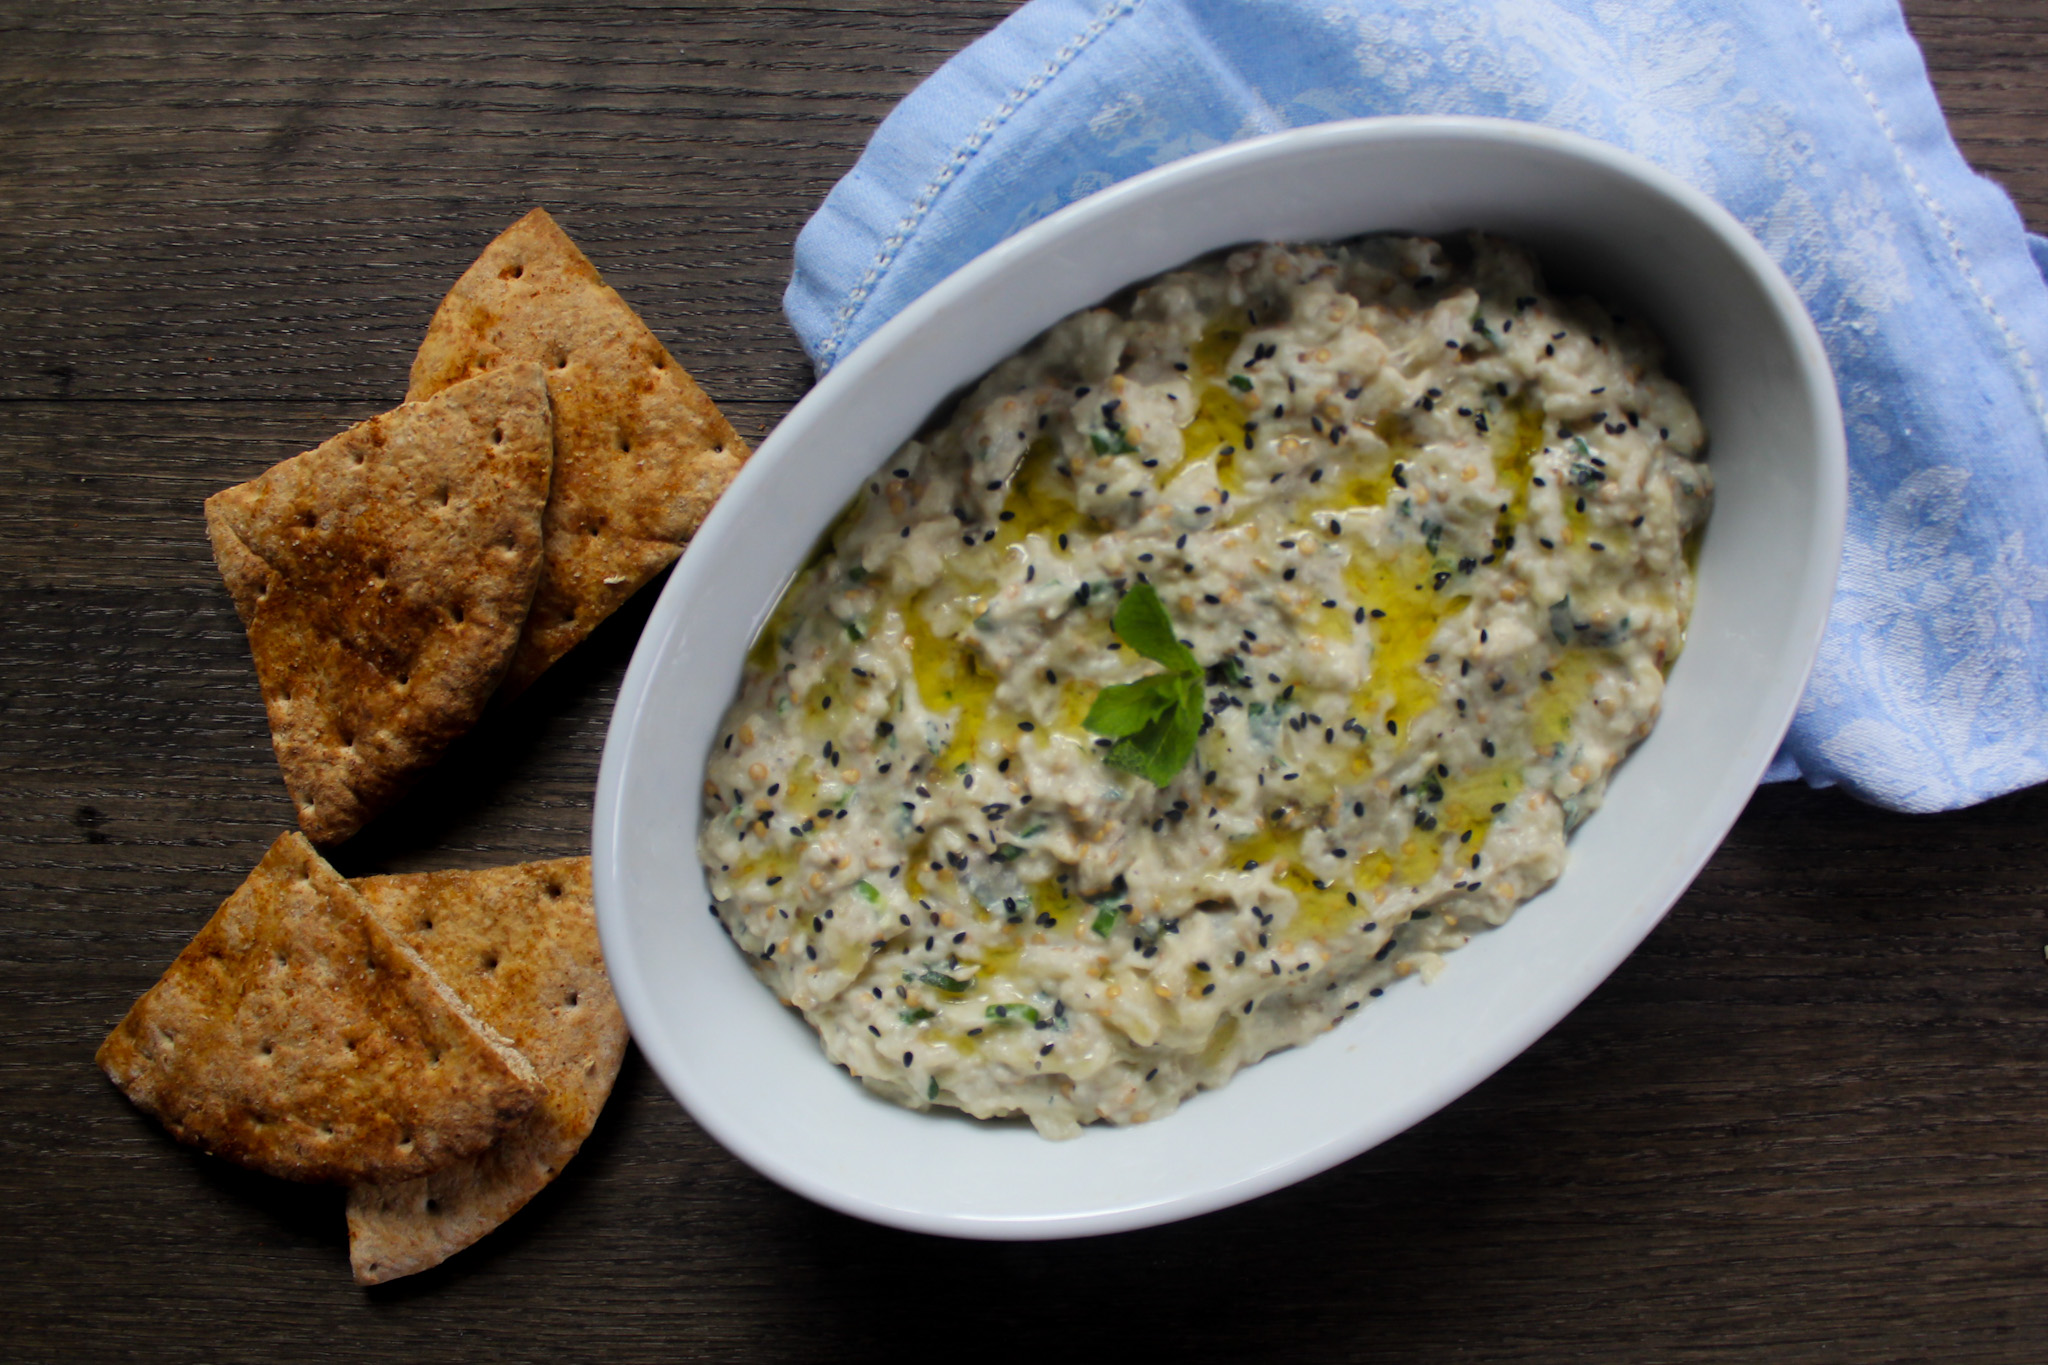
[753, 1074]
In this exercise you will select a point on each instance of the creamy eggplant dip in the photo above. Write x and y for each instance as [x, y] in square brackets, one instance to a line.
[1229, 653]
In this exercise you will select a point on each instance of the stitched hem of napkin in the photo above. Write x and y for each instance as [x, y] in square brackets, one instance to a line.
[2016, 347]
[892, 246]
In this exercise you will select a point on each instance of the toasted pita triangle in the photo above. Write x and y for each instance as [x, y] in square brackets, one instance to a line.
[640, 452]
[519, 944]
[383, 578]
[296, 1035]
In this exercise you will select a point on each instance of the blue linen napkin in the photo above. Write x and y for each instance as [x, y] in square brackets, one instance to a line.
[1811, 120]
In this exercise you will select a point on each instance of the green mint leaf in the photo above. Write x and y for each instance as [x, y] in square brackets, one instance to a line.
[1156, 720]
[1241, 382]
[1126, 708]
[1163, 747]
[867, 891]
[915, 1015]
[943, 982]
[1142, 623]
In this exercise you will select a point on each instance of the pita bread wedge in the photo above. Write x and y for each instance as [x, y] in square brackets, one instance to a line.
[520, 945]
[297, 1035]
[640, 452]
[383, 578]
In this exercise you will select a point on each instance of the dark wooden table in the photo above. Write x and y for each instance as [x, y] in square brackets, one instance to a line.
[1807, 1121]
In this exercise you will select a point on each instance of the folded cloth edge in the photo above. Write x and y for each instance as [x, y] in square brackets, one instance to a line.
[865, 195]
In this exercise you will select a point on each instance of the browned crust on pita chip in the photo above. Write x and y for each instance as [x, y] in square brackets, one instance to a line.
[383, 578]
[640, 452]
[519, 944]
[295, 1034]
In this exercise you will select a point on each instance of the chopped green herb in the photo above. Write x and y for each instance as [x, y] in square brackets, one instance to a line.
[1105, 920]
[931, 1092]
[1112, 443]
[1025, 1012]
[867, 892]
[1561, 620]
[1006, 853]
[1034, 831]
[853, 632]
[945, 983]
[914, 1016]
[1241, 382]
[1228, 672]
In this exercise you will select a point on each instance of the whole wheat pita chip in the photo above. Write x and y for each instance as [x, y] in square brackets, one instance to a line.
[383, 578]
[297, 1035]
[640, 452]
[520, 945]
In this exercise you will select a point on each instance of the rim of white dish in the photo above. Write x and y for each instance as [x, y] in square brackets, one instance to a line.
[637, 994]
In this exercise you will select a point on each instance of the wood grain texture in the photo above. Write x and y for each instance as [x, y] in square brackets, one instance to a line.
[1806, 1122]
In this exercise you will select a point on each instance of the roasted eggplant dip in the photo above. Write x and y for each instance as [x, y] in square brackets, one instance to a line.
[1225, 656]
